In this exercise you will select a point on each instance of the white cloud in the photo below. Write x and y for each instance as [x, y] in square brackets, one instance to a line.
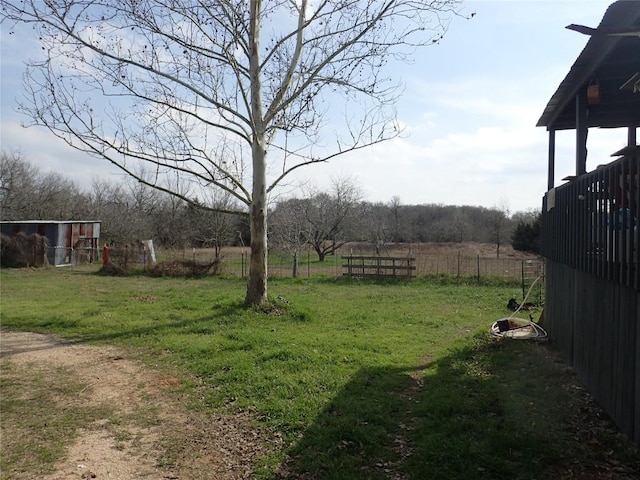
[51, 154]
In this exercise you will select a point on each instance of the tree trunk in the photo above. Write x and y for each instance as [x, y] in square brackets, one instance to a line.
[295, 264]
[257, 283]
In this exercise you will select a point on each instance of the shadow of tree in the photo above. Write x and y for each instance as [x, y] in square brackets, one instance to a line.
[494, 410]
[354, 437]
[219, 315]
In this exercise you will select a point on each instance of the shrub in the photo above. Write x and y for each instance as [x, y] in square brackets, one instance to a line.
[23, 250]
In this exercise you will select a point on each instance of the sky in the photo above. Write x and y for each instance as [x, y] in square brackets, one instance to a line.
[469, 111]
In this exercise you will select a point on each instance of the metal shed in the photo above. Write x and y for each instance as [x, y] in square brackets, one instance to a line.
[70, 241]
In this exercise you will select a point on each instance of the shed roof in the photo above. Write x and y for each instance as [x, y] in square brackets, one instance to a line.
[610, 59]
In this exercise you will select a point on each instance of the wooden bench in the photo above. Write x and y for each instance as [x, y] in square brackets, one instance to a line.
[363, 266]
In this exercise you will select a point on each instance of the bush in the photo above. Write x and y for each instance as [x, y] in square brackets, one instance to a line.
[526, 236]
[23, 250]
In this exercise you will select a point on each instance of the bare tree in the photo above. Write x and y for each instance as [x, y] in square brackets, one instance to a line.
[123, 215]
[395, 206]
[289, 228]
[213, 228]
[499, 224]
[328, 215]
[459, 225]
[18, 186]
[26, 193]
[60, 198]
[203, 90]
[376, 224]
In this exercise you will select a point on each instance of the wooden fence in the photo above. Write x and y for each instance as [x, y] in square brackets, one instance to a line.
[591, 223]
[364, 266]
[591, 240]
[595, 324]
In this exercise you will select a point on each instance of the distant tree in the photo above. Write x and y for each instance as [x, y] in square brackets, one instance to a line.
[171, 221]
[526, 235]
[460, 225]
[123, 217]
[26, 193]
[60, 198]
[499, 225]
[329, 215]
[213, 228]
[377, 224]
[18, 186]
[290, 228]
[396, 210]
[220, 92]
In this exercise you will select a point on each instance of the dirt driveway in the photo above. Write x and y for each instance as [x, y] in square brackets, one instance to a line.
[147, 433]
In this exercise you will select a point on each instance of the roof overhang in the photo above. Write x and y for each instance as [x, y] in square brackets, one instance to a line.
[610, 65]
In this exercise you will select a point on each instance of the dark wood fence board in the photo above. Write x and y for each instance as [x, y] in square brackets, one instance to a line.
[636, 384]
[592, 223]
[595, 324]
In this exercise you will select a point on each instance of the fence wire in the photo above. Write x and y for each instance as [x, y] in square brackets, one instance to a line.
[282, 265]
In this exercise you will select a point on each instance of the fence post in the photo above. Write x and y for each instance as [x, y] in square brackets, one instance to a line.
[478, 263]
[295, 264]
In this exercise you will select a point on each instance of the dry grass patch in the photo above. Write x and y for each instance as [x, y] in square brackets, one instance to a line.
[77, 411]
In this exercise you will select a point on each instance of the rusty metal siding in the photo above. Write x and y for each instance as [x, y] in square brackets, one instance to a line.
[61, 235]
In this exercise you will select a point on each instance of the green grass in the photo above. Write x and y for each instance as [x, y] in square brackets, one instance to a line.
[36, 428]
[359, 378]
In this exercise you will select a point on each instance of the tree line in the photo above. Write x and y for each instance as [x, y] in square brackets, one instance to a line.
[322, 220]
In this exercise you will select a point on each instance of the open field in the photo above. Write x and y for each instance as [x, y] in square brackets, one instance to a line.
[334, 379]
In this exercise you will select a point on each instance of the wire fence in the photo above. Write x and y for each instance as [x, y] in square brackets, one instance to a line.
[66, 256]
[455, 265]
[306, 265]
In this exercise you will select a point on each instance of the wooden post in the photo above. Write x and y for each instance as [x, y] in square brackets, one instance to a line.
[551, 160]
[582, 131]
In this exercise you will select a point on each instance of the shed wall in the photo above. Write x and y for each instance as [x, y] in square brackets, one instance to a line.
[63, 237]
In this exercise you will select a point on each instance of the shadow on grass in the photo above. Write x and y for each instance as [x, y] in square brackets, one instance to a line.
[223, 314]
[492, 410]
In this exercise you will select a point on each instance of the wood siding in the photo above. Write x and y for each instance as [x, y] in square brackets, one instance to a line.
[595, 323]
[591, 223]
[591, 240]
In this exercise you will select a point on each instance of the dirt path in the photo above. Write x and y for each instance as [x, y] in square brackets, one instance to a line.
[147, 434]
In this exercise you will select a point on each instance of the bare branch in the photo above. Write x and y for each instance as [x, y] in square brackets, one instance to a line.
[191, 88]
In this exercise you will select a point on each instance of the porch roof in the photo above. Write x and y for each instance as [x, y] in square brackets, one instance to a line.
[611, 60]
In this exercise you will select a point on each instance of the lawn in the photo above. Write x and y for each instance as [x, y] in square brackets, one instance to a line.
[360, 379]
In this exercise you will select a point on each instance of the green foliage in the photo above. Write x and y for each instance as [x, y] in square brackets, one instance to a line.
[526, 236]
